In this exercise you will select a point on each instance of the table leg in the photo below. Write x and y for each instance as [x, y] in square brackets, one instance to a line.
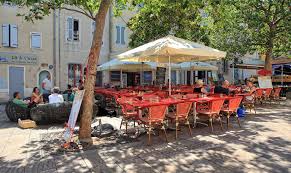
[194, 115]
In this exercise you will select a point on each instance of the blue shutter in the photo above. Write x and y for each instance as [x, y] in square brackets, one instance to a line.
[13, 36]
[69, 32]
[122, 35]
[35, 40]
[5, 35]
[117, 34]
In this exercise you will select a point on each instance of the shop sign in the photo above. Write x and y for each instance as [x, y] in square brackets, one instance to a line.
[14, 58]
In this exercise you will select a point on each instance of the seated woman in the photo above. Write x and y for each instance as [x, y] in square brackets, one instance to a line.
[36, 96]
[18, 101]
[72, 96]
[199, 88]
[55, 97]
[251, 89]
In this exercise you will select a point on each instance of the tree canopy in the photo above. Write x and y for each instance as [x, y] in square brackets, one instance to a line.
[234, 26]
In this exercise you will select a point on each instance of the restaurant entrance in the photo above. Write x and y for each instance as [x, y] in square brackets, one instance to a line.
[133, 79]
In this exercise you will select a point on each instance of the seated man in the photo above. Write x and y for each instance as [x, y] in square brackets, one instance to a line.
[223, 89]
[17, 100]
[55, 97]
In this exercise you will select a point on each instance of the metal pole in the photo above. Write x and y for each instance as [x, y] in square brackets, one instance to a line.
[170, 75]
[282, 73]
[121, 79]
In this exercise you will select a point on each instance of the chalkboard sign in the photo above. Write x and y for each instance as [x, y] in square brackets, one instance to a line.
[160, 75]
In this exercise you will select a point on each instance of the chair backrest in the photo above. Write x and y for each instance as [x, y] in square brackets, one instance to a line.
[192, 96]
[234, 103]
[150, 97]
[259, 92]
[277, 92]
[183, 109]
[216, 105]
[162, 94]
[157, 112]
[177, 96]
[268, 92]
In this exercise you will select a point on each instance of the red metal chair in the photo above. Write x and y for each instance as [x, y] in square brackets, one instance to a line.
[181, 115]
[155, 118]
[212, 110]
[129, 113]
[249, 102]
[231, 107]
[192, 96]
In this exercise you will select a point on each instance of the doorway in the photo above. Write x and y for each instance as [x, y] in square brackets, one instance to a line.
[16, 80]
[42, 75]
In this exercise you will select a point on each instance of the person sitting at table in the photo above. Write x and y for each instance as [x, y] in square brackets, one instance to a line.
[55, 97]
[18, 101]
[223, 89]
[250, 87]
[36, 96]
[72, 96]
[199, 88]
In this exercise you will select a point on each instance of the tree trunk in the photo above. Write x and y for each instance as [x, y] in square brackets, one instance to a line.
[88, 100]
[268, 59]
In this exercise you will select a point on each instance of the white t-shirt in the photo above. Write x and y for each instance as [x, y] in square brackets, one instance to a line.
[56, 98]
[47, 84]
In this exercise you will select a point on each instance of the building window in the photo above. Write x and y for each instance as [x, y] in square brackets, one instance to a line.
[120, 39]
[35, 40]
[115, 75]
[73, 33]
[9, 35]
[147, 77]
[74, 74]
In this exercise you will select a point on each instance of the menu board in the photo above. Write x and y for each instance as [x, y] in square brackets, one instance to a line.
[160, 75]
[73, 115]
[265, 82]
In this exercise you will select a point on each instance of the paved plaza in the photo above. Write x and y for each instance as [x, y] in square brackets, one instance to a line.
[263, 144]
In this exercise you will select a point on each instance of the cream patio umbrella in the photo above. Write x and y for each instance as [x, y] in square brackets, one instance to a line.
[171, 49]
[201, 66]
[116, 64]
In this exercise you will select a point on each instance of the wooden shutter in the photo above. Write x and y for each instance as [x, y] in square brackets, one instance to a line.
[122, 35]
[69, 33]
[5, 35]
[117, 34]
[13, 36]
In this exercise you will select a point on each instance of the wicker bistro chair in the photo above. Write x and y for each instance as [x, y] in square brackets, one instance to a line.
[55, 113]
[249, 102]
[129, 113]
[259, 95]
[155, 118]
[181, 115]
[211, 109]
[14, 112]
[275, 95]
[266, 95]
[231, 108]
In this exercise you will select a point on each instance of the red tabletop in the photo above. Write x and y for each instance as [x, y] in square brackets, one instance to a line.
[144, 104]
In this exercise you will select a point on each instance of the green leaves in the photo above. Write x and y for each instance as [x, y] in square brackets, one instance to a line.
[159, 18]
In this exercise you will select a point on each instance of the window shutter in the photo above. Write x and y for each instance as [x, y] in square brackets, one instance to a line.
[35, 40]
[117, 34]
[13, 36]
[5, 35]
[69, 32]
[122, 35]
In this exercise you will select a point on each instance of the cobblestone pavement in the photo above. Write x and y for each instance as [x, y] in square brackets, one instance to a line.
[263, 144]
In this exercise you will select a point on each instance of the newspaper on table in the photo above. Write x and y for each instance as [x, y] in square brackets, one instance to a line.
[265, 82]
[73, 115]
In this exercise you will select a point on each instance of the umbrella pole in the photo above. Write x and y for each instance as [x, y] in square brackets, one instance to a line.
[282, 73]
[170, 75]
[121, 79]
